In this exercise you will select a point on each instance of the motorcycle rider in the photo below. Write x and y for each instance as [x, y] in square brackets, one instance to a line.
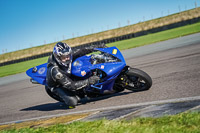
[59, 78]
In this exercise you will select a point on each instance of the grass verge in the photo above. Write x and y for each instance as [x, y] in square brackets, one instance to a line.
[125, 44]
[184, 122]
[20, 67]
[157, 37]
[45, 122]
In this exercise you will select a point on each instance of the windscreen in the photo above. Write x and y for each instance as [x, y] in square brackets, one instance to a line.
[103, 58]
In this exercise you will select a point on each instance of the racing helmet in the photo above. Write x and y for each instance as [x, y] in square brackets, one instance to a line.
[62, 53]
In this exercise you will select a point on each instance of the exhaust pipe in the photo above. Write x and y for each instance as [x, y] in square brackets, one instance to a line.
[33, 81]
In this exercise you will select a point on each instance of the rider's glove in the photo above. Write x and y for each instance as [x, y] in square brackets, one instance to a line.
[93, 80]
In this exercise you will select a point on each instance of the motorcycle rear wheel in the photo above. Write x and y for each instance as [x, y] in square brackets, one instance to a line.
[138, 80]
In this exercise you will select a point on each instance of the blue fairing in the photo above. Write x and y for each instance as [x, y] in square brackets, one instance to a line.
[110, 51]
[83, 67]
[40, 75]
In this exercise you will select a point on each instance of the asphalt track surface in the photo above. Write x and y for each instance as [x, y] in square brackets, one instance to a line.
[174, 66]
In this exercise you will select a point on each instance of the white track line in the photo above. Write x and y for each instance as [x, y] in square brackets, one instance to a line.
[109, 108]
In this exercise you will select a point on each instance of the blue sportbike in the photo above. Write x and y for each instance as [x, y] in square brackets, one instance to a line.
[106, 63]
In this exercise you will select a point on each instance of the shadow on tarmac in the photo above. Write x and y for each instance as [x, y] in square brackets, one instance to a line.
[47, 107]
[62, 106]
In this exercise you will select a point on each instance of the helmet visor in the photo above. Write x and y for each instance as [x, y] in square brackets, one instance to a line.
[65, 58]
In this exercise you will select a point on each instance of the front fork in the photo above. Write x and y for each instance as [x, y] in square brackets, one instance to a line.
[122, 79]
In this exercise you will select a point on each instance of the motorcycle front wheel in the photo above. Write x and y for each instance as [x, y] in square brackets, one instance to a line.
[138, 80]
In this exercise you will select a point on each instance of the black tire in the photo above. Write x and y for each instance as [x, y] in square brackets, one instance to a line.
[52, 95]
[138, 80]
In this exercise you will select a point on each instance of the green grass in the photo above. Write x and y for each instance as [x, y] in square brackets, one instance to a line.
[125, 44]
[181, 123]
[21, 67]
[157, 37]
